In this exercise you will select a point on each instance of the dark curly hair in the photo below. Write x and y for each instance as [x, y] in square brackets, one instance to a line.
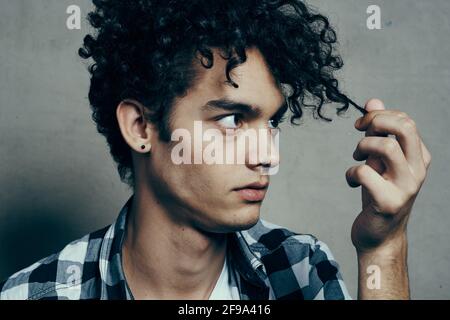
[144, 50]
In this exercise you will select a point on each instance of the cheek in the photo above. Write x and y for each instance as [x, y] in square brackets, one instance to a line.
[190, 183]
[206, 183]
[175, 164]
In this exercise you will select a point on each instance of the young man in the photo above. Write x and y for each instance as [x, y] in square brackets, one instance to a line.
[193, 230]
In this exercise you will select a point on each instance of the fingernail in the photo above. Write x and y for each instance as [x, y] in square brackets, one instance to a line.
[357, 122]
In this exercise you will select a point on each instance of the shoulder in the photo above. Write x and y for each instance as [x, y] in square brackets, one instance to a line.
[302, 260]
[58, 276]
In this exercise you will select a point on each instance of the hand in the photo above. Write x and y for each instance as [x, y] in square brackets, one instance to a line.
[391, 178]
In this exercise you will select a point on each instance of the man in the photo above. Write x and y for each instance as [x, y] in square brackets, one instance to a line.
[192, 230]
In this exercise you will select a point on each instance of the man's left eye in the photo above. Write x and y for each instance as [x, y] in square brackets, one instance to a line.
[274, 123]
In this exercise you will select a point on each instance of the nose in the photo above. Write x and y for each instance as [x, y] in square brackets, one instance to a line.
[268, 155]
[271, 159]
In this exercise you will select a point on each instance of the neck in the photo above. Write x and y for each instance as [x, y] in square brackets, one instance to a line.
[168, 258]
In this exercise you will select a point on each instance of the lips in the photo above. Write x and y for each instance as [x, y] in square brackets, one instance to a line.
[254, 192]
[253, 195]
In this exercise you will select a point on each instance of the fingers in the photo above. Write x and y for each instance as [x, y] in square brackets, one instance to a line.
[364, 175]
[363, 122]
[395, 167]
[388, 150]
[384, 122]
[426, 155]
[387, 198]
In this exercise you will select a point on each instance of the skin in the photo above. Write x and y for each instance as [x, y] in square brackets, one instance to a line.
[391, 178]
[175, 242]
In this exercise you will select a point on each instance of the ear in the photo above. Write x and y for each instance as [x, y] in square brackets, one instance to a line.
[135, 129]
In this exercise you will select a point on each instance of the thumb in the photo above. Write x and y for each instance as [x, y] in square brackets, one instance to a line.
[374, 104]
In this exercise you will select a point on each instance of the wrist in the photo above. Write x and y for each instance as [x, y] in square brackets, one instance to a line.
[394, 251]
[383, 271]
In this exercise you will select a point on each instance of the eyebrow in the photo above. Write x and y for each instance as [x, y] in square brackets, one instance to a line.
[230, 105]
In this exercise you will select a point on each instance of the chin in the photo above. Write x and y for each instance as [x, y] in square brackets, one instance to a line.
[242, 219]
[231, 220]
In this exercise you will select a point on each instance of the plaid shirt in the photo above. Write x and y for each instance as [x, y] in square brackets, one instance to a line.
[268, 262]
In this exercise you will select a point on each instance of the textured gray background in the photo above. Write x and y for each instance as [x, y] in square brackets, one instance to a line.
[57, 181]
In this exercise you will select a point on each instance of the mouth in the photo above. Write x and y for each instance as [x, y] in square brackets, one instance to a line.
[254, 192]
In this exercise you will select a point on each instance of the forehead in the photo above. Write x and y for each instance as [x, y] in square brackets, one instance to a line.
[257, 86]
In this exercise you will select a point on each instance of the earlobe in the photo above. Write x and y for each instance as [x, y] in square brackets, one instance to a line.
[135, 129]
[145, 148]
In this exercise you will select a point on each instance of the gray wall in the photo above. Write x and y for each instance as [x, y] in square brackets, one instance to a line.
[57, 181]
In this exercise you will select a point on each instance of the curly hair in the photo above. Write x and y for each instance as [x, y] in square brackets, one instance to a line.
[144, 50]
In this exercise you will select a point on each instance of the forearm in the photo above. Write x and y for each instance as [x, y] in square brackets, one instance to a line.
[390, 265]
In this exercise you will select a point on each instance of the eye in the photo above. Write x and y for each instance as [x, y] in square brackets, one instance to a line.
[274, 123]
[230, 122]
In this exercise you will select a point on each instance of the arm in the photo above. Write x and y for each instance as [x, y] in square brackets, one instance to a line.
[390, 265]
[391, 178]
